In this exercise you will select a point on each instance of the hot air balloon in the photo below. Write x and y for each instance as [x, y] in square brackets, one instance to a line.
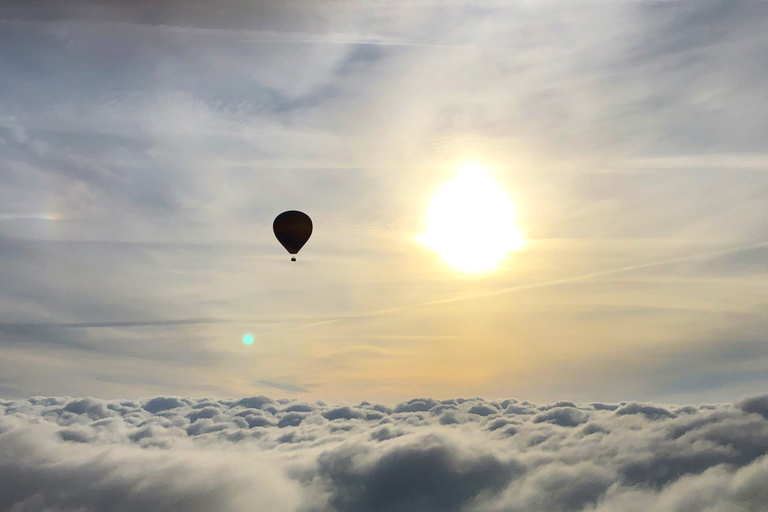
[292, 229]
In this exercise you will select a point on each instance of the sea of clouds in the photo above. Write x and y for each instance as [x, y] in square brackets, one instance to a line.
[258, 454]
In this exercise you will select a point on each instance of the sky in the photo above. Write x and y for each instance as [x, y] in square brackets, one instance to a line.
[146, 147]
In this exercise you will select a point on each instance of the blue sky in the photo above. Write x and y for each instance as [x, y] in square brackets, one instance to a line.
[146, 147]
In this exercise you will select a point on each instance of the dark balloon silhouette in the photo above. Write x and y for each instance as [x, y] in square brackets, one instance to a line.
[292, 229]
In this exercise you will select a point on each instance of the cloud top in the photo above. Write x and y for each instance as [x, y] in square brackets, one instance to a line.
[180, 453]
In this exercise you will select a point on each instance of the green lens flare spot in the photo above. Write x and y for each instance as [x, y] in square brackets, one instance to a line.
[248, 339]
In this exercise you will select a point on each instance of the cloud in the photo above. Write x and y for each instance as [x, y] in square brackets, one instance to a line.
[40, 475]
[284, 386]
[180, 453]
[758, 404]
[430, 474]
[563, 416]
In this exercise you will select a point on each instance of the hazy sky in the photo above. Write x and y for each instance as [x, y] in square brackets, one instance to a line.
[145, 148]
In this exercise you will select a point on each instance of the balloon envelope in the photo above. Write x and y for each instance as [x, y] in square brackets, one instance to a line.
[292, 229]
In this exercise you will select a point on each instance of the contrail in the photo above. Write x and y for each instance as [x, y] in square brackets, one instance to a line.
[362, 41]
[13, 326]
[266, 37]
[31, 216]
[545, 284]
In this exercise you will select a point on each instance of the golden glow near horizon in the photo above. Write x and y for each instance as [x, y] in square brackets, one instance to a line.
[471, 222]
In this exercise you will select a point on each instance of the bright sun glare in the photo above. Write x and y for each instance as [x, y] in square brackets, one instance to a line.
[471, 222]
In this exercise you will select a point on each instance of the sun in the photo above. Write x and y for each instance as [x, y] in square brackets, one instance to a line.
[471, 222]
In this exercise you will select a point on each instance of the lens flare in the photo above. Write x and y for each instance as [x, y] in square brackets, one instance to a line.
[471, 222]
[248, 338]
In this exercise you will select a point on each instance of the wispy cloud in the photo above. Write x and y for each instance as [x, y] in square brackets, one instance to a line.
[31, 216]
[282, 386]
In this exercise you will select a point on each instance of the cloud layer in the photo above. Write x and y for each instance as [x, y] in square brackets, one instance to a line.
[473, 455]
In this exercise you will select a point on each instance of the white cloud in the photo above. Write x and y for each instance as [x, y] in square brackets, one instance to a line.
[65, 454]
